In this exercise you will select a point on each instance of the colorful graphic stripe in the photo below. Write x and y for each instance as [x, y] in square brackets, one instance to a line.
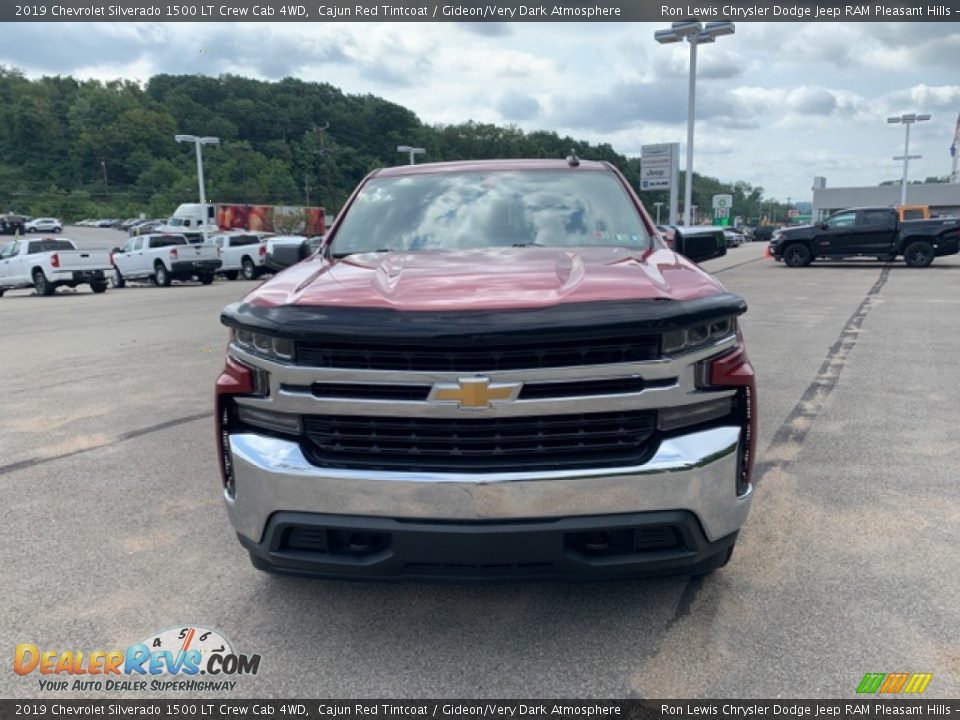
[893, 683]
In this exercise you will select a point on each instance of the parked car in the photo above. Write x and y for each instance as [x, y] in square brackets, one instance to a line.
[734, 237]
[44, 225]
[871, 231]
[125, 225]
[497, 370]
[13, 224]
[46, 264]
[163, 258]
[763, 233]
[242, 253]
[145, 226]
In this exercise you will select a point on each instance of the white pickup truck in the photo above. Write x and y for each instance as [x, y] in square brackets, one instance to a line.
[163, 258]
[48, 263]
[242, 253]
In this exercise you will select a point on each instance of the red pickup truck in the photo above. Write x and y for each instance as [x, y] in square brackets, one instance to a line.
[489, 370]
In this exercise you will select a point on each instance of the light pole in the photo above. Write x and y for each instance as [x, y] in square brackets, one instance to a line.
[413, 152]
[198, 143]
[907, 119]
[658, 205]
[695, 33]
[103, 166]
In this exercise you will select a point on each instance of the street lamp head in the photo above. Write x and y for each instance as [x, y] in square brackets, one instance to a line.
[665, 37]
[705, 38]
[184, 138]
[404, 148]
[210, 140]
[893, 120]
[686, 28]
[923, 117]
[716, 29]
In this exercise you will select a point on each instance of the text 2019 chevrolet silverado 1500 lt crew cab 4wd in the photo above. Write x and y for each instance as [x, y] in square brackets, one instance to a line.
[48, 263]
[874, 232]
[492, 369]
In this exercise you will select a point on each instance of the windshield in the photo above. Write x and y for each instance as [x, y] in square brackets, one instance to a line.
[175, 222]
[470, 210]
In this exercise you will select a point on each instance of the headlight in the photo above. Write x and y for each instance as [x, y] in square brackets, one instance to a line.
[698, 336]
[272, 348]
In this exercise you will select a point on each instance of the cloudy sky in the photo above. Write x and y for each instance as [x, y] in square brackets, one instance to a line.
[777, 103]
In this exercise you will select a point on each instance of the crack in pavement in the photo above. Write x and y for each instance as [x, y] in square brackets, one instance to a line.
[123, 437]
[788, 439]
[786, 442]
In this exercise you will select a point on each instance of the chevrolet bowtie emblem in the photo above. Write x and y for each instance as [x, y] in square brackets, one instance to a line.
[474, 393]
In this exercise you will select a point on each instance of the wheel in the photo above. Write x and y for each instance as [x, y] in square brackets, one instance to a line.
[797, 255]
[43, 286]
[250, 271]
[231, 274]
[100, 287]
[918, 254]
[56, 229]
[2, 291]
[33, 230]
[117, 279]
[206, 278]
[160, 275]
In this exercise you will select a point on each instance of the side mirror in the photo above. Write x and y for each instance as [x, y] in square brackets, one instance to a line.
[700, 246]
[824, 226]
[117, 250]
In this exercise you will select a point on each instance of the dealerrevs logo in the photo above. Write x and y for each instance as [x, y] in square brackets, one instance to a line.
[168, 660]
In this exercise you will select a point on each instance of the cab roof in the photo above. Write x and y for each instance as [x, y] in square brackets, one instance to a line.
[491, 165]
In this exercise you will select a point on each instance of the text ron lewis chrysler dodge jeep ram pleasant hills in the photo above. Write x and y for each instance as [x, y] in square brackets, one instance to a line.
[490, 370]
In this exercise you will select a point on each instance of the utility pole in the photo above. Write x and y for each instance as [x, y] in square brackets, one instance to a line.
[103, 166]
[323, 153]
[306, 188]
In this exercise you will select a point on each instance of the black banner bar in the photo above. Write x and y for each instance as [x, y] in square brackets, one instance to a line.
[206, 709]
[474, 11]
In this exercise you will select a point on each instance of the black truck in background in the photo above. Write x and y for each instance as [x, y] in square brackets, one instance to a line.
[872, 232]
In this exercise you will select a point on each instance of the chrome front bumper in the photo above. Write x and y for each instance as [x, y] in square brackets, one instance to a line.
[695, 472]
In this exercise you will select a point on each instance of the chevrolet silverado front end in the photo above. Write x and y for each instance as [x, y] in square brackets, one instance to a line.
[492, 370]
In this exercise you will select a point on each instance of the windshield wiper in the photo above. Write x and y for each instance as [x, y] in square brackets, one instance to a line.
[527, 244]
[361, 252]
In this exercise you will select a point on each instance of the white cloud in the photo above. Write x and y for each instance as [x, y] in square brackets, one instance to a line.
[776, 103]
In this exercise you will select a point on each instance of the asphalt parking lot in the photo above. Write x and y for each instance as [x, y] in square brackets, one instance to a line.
[114, 526]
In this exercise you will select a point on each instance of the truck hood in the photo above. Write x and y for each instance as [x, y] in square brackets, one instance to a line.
[498, 278]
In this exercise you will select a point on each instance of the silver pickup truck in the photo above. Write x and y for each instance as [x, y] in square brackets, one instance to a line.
[48, 263]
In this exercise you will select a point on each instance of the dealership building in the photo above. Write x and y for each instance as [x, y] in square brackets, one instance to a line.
[943, 198]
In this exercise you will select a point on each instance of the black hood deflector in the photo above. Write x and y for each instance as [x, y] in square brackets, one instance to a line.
[471, 327]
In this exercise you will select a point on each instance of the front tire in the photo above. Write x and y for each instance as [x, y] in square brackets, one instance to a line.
[160, 276]
[43, 286]
[797, 255]
[31, 230]
[206, 278]
[100, 287]
[918, 254]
